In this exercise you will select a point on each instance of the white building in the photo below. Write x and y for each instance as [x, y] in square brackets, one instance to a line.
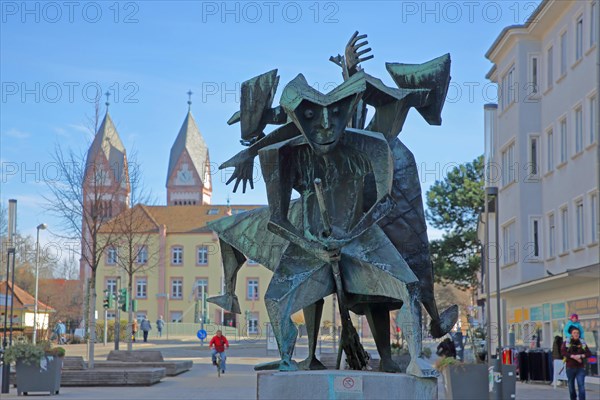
[541, 146]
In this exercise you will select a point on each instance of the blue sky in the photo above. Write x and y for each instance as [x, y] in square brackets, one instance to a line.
[148, 54]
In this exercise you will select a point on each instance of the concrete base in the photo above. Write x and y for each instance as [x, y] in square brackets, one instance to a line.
[334, 384]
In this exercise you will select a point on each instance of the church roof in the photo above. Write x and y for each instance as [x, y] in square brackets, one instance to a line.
[177, 219]
[189, 139]
[107, 141]
[191, 219]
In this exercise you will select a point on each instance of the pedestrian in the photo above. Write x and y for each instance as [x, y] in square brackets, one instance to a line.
[60, 329]
[160, 323]
[556, 348]
[134, 329]
[218, 344]
[146, 327]
[446, 348]
[574, 321]
[558, 364]
[575, 351]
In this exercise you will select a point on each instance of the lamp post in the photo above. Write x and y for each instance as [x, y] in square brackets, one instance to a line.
[37, 275]
[492, 191]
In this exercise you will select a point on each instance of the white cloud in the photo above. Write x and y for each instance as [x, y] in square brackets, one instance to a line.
[17, 134]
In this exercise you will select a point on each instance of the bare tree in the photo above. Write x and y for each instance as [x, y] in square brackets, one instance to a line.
[82, 199]
[132, 233]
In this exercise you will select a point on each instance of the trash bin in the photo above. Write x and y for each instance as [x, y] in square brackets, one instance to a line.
[509, 381]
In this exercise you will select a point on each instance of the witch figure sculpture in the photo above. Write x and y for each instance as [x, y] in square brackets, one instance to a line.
[358, 227]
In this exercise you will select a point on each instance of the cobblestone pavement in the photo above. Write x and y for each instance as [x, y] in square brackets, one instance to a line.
[238, 383]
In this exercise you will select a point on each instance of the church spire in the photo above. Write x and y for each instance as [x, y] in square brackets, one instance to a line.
[188, 176]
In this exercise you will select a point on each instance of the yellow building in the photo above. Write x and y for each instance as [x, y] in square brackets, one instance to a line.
[178, 257]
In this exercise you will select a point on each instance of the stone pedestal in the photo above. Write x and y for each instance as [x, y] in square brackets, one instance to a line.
[334, 384]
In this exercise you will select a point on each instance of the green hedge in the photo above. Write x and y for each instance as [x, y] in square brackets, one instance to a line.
[111, 330]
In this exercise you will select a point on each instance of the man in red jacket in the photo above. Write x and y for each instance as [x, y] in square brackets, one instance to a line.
[218, 344]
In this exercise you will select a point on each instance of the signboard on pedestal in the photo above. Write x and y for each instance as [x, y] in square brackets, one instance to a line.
[271, 341]
[348, 384]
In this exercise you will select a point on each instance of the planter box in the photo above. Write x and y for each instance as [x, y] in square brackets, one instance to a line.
[39, 378]
[402, 361]
[466, 382]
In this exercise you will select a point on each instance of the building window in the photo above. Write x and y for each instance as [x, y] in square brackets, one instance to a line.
[508, 165]
[111, 285]
[533, 75]
[550, 148]
[142, 256]
[201, 284]
[551, 236]
[202, 255]
[593, 117]
[508, 90]
[578, 130]
[252, 289]
[177, 255]
[563, 140]
[593, 22]
[177, 288]
[509, 244]
[534, 156]
[112, 255]
[252, 323]
[580, 237]
[141, 288]
[564, 222]
[594, 217]
[563, 53]
[534, 238]
[176, 316]
[213, 211]
[140, 314]
[549, 67]
[579, 38]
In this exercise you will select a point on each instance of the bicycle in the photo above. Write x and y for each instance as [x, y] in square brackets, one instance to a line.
[218, 360]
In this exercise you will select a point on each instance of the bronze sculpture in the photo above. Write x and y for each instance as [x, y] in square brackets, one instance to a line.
[379, 182]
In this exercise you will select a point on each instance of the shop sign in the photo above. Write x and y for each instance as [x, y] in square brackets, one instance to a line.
[559, 311]
[587, 306]
[535, 314]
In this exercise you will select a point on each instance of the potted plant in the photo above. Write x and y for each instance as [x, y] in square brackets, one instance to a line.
[401, 355]
[38, 366]
[463, 380]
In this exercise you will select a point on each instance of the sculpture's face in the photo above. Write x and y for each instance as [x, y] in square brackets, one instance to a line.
[323, 126]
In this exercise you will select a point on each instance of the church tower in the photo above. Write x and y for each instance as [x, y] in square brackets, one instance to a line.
[188, 177]
[106, 186]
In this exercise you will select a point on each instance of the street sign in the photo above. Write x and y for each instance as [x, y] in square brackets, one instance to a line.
[201, 334]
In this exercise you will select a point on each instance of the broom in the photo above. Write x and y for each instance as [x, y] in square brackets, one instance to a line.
[357, 357]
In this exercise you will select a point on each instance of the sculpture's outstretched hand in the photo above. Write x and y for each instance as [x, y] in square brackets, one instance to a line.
[243, 164]
[353, 52]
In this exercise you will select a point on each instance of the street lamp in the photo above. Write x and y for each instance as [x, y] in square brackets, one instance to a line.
[37, 274]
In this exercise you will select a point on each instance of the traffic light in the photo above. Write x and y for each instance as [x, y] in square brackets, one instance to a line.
[134, 305]
[124, 299]
[106, 302]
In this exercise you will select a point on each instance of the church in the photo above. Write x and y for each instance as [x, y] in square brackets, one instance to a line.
[171, 254]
